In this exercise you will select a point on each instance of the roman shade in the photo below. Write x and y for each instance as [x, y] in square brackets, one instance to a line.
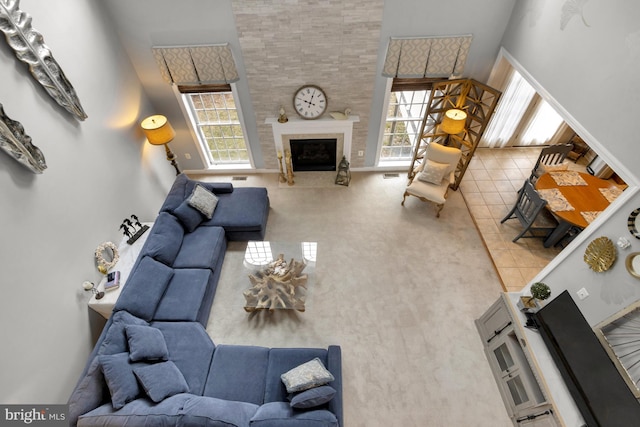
[196, 65]
[426, 56]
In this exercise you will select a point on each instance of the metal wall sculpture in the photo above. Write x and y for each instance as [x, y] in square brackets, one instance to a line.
[14, 141]
[30, 48]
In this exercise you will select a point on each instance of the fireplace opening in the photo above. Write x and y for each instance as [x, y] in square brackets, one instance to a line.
[313, 154]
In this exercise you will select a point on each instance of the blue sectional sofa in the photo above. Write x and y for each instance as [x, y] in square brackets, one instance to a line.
[155, 365]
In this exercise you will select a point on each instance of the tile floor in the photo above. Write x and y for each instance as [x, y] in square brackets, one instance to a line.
[489, 188]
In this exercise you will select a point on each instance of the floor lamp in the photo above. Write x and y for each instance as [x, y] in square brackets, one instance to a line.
[159, 132]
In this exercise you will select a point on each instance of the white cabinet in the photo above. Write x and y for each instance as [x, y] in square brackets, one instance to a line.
[506, 351]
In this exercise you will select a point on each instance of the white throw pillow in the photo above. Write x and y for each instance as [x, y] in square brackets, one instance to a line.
[433, 172]
[203, 200]
[308, 375]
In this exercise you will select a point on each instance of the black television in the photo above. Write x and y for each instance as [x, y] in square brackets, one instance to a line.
[600, 392]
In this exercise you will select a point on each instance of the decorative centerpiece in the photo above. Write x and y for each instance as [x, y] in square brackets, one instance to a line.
[539, 292]
[133, 229]
[280, 285]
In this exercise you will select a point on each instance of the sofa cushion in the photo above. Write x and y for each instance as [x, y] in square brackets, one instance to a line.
[115, 340]
[201, 248]
[281, 414]
[139, 412]
[209, 411]
[146, 343]
[307, 375]
[144, 288]
[313, 397]
[161, 380]
[203, 200]
[118, 373]
[184, 294]
[191, 349]
[238, 373]
[164, 240]
[189, 217]
[246, 209]
[89, 393]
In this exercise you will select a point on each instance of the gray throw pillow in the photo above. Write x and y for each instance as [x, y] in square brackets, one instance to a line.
[308, 375]
[203, 200]
[161, 380]
[313, 397]
[146, 343]
[118, 373]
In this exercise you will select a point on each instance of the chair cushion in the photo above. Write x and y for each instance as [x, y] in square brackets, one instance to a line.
[435, 193]
[161, 380]
[209, 411]
[433, 172]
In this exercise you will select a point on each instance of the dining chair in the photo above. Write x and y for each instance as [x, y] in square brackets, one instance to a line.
[530, 210]
[432, 178]
[550, 158]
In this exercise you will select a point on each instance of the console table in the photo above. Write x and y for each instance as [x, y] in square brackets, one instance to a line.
[128, 256]
[529, 381]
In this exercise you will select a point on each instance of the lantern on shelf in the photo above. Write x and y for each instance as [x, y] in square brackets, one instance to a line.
[344, 174]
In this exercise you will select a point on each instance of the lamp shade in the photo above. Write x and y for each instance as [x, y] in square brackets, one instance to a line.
[158, 129]
[453, 121]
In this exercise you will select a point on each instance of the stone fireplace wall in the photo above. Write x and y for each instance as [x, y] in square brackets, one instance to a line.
[283, 48]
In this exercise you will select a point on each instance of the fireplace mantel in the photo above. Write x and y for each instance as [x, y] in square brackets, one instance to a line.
[282, 132]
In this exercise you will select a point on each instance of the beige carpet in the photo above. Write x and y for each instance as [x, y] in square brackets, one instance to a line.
[397, 289]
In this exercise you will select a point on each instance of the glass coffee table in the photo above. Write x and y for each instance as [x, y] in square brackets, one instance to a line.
[279, 275]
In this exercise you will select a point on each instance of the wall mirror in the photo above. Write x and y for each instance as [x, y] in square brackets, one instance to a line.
[620, 337]
[633, 264]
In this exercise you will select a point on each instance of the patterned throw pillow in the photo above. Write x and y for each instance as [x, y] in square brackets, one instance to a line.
[308, 375]
[203, 200]
[433, 172]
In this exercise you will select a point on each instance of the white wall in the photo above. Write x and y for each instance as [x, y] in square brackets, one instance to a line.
[588, 69]
[99, 172]
[416, 18]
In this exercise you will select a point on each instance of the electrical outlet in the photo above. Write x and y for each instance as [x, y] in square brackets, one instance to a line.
[187, 156]
[582, 293]
[360, 153]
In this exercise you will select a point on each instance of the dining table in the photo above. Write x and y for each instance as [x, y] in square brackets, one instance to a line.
[575, 199]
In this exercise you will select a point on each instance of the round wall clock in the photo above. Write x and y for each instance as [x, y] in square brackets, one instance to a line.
[310, 102]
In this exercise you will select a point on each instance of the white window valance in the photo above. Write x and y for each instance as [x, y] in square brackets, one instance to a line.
[196, 65]
[426, 56]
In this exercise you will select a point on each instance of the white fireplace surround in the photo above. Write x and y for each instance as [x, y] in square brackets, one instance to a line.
[325, 127]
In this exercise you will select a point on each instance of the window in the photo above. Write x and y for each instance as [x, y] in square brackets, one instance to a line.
[406, 109]
[217, 123]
